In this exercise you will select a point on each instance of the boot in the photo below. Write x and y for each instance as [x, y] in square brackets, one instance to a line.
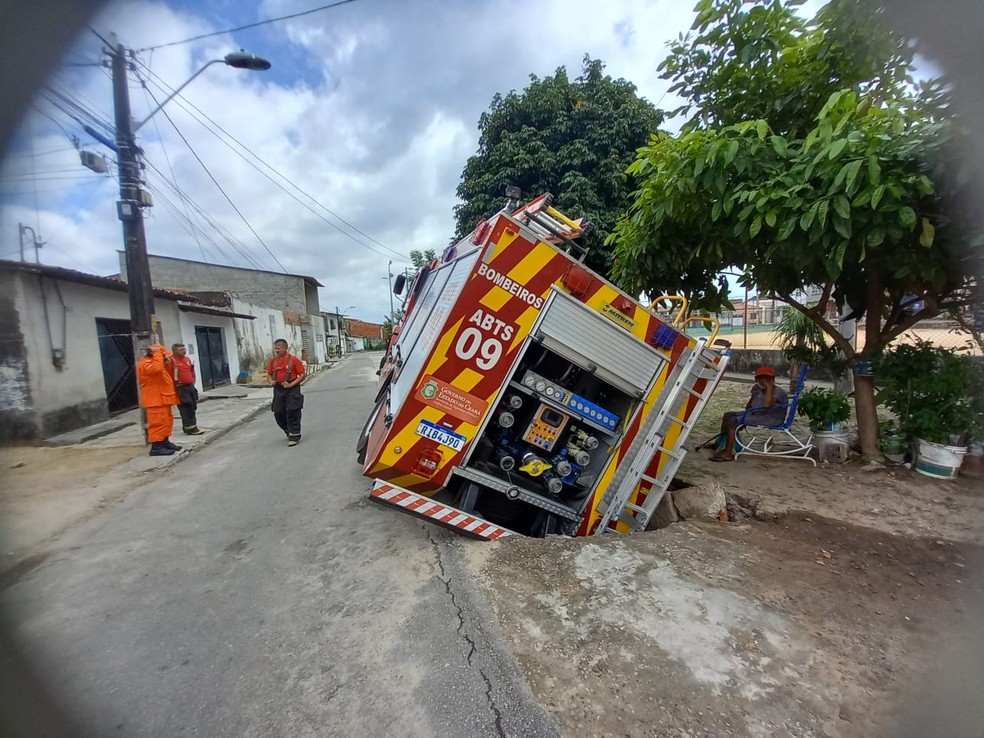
[193, 431]
[168, 444]
[157, 448]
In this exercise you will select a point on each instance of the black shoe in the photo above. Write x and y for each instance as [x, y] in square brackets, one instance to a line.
[166, 443]
[159, 449]
[293, 440]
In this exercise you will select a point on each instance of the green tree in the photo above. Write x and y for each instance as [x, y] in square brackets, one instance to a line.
[574, 139]
[835, 179]
[420, 259]
[390, 321]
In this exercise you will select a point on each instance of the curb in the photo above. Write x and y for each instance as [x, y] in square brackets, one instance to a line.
[217, 434]
[213, 436]
[52, 443]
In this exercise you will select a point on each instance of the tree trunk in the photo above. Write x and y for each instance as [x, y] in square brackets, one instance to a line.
[795, 365]
[865, 409]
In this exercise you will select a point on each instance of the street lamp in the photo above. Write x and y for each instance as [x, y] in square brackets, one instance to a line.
[338, 325]
[236, 59]
[143, 324]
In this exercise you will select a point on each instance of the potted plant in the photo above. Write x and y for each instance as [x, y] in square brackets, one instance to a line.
[931, 391]
[892, 441]
[828, 410]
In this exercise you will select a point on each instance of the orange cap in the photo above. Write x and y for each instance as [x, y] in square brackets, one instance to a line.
[765, 371]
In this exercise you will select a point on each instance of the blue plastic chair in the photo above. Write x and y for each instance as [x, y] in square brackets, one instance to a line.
[776, 440]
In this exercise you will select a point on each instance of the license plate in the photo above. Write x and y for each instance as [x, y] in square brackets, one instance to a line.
[441, 436]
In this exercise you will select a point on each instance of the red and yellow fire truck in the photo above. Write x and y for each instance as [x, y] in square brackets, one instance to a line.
[524, 394]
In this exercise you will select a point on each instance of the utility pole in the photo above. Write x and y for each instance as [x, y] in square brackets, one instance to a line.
[744, 322]
[389, 272]
[338, 330]
[143, 321]
[35, 241]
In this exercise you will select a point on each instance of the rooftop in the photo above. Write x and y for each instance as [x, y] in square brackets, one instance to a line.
[307, 279]
[94, 280]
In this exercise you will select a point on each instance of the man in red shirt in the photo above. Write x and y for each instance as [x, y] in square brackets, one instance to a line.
[184, 383]
[284, 374]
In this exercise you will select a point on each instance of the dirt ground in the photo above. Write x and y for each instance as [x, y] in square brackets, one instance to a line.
[823, 609]
[886, 498]
[802, 627]
[42, 488]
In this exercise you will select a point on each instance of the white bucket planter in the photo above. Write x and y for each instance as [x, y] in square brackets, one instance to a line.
[938, 461]
[832, 443]
[837, 433]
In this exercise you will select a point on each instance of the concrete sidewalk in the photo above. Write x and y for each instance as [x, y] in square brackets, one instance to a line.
[219, 411]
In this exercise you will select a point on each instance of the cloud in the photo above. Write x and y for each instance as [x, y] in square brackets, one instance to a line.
[371, 108]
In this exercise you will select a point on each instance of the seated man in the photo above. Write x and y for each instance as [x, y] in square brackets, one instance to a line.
[765, 395]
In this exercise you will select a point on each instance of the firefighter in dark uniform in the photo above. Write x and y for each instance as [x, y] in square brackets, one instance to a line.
[285, 374]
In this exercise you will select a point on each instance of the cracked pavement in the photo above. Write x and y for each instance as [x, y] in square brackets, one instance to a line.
[254, 591]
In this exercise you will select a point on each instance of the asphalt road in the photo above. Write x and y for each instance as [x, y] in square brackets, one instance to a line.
[253, 590]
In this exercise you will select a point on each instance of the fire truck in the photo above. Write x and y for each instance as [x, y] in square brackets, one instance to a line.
[523, 394]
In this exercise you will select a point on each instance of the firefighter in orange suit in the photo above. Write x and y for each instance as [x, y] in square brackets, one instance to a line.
[155, 375]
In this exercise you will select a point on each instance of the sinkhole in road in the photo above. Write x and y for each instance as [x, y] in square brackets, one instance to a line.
[532, 521]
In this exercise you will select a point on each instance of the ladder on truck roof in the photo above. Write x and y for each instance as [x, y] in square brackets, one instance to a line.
[552, 226]
[615, 506]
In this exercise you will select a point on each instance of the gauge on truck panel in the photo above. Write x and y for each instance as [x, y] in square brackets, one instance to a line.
[546, 427]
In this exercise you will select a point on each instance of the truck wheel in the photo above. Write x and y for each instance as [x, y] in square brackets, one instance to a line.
[497, 508]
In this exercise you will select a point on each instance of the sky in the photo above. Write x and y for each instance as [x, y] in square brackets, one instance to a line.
[365, 121]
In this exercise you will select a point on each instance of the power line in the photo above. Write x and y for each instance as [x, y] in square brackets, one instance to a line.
[184, 220]
[46, 152]
[100, 36]
[171, 169]
[236, 245]
[226, 196]
[243, 28]
[14, 178]
[6, 189]
[185, 104]
[106, 119]
[37, 206]
[65, 253]
[51, 169]
[75, 110]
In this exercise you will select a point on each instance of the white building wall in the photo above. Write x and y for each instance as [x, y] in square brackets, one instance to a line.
[334, 333]
[188, 320]
[254, 338]
[319, 352]
[74, 394]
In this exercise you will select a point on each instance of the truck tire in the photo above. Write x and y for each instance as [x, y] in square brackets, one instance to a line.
[499, 509]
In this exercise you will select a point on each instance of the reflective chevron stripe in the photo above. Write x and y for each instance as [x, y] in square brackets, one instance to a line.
[436, 512]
